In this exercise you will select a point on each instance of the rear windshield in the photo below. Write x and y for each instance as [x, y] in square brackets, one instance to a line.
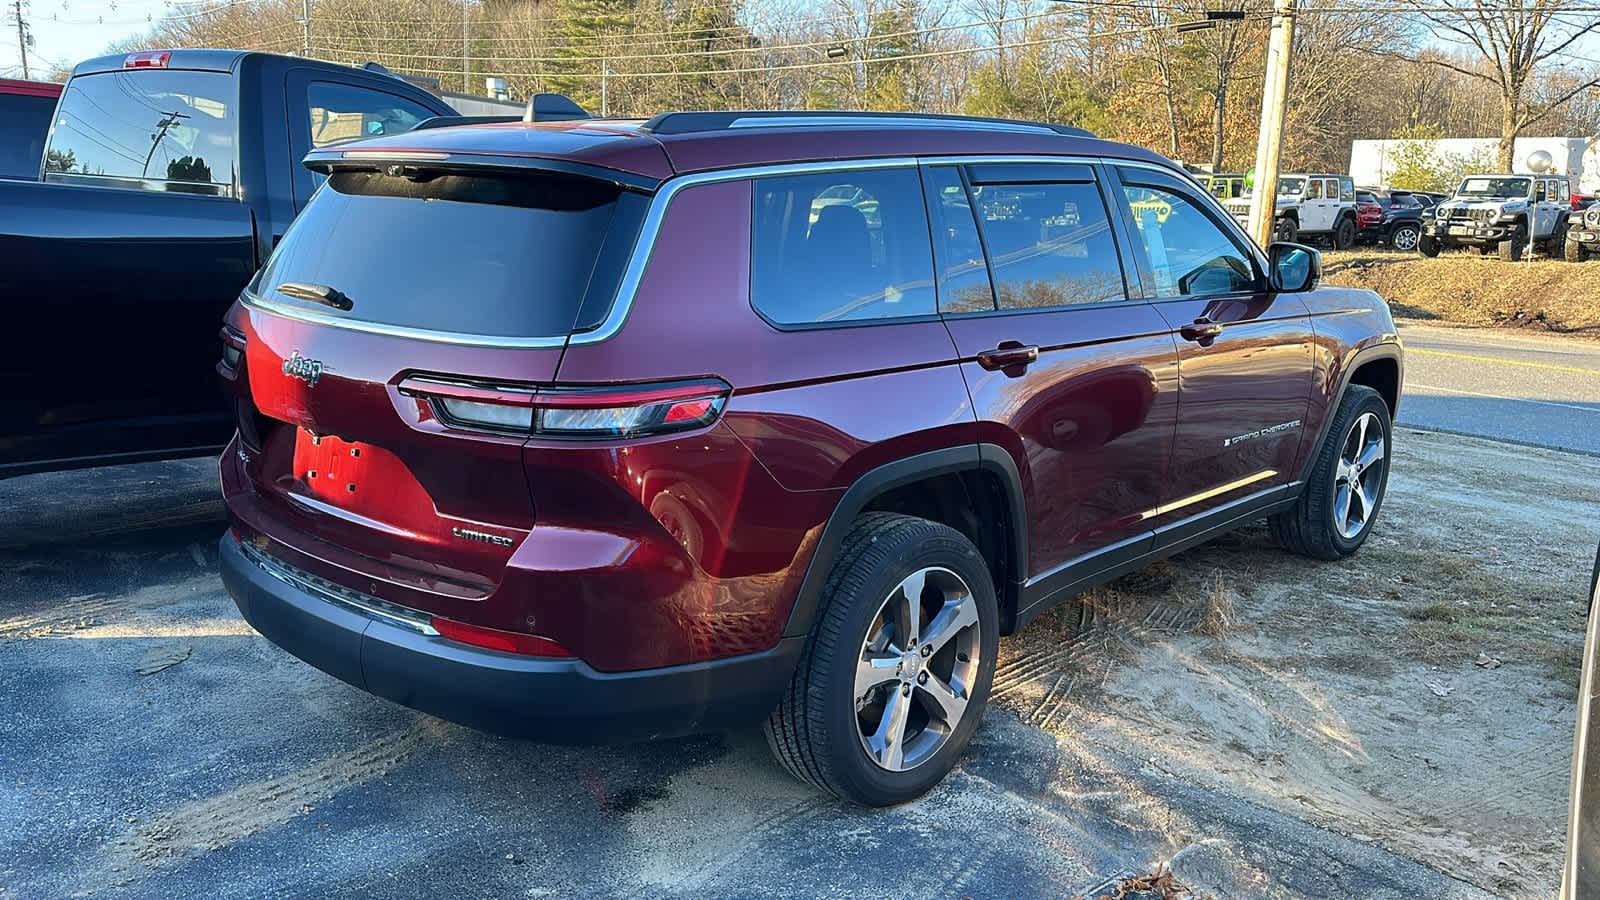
[24, 121]
[148, 129]
[491, 255]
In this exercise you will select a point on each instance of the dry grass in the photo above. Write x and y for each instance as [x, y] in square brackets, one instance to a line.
[1462, 287]
[1219, 597]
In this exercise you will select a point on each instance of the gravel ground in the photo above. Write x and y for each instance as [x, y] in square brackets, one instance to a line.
[155, 746]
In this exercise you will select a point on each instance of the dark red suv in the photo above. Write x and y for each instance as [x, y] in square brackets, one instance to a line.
[614, 430]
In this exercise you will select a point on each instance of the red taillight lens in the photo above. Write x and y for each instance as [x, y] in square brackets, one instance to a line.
[497, 639]
[610, 411]
[149, 59]
[631, 411]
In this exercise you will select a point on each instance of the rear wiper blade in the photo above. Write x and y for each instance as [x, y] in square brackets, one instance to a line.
[317, 293]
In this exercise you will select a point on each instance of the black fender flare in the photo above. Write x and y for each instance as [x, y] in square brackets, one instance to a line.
[1387, 350]
[991, 458]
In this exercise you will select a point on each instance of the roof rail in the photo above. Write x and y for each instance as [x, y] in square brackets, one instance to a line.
[691, 122]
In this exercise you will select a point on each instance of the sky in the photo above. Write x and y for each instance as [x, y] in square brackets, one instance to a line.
[68, 31]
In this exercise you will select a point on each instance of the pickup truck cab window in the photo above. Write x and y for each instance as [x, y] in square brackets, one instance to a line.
[148, 129]
[343, 112]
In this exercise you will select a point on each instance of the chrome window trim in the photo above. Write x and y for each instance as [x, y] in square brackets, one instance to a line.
[649, 232]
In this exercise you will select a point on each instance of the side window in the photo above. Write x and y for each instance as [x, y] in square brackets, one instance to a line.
[342, 112]
[1188, 253]
[1049, 244]
[963, 274]
[1347, 189]
[841, 246]
[1313, 190]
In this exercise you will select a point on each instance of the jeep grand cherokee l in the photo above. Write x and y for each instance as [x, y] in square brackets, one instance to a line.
[614, 430]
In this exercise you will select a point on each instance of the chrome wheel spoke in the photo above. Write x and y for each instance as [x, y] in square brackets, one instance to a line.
[1371, 454]
[944, 702]
[956, 616]
[887, 743]
[875, 670]
[907, 600]
[1341, 506]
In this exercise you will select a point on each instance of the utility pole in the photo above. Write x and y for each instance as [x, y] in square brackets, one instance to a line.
[22, 36]
[465, 9]
[605, 93]
[305, 20]
[1274, 96]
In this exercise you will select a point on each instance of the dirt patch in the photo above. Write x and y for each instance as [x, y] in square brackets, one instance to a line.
[1418, 695]
[1543, 295]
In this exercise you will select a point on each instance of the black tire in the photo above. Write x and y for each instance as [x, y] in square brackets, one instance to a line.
[1286, 230]
[1574, 251]
[1344, 234]
[1428, 246]
[1406, 237]
[1512, 248]
[814, 732]
[1556, 246]
[1309, 528]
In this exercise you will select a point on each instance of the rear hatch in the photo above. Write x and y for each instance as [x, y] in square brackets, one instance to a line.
[399, 274]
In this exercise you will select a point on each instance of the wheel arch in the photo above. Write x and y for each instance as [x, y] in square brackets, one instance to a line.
[1381, 367]
[975, 489]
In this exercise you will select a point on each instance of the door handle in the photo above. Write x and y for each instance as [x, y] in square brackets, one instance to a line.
[1010, 356]
[1202, 331]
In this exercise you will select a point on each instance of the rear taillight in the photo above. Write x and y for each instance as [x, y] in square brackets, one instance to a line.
[610, 411]
[232, 350]
[497, 639]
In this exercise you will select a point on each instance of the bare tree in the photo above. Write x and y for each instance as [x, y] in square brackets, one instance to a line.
[1517, 38]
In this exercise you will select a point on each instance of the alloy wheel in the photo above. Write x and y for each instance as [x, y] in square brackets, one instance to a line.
[1405, 239]
[1359, 476]
[917, 668]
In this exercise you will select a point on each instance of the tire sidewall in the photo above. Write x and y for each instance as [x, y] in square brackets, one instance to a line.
[1416, 236]
[1369, 401]
[862, 777]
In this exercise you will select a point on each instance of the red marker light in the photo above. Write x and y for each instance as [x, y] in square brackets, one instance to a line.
[148, 59]
[497, 639]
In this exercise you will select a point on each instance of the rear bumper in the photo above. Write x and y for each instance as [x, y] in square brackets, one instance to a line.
[1589, 237]
[558, 701]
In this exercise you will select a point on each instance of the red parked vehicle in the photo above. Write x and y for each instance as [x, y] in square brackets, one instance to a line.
[613, 430]
[25, 111]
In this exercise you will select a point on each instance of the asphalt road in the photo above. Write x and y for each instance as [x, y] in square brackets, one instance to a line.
[154, 745]
[1532, 389]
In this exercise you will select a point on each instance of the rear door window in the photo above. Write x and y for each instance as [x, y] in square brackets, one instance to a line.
[456, 252]
[834, 247]
[963, 272]
[151, 129]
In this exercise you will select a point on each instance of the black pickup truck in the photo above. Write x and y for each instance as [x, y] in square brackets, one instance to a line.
[167, 179]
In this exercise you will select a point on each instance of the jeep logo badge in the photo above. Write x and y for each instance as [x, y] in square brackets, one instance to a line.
[307, 370]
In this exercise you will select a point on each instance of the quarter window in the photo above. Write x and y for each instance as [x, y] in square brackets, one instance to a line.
[1188, 253]
[1049, 245]
[841, 246]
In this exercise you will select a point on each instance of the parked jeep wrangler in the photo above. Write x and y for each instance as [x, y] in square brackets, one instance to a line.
[615, 430]
[1583, 233]
[1310, 207]
[1501, 213]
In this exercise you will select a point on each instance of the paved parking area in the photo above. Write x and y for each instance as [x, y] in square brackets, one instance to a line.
[155, 746]
[1528, 388]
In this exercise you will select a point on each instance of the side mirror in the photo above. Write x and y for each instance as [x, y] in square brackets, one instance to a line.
[1295, 267]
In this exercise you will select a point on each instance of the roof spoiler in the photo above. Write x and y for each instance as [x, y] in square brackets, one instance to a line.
[553, 108]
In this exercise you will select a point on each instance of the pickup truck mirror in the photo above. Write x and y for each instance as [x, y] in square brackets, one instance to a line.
[1295, 267]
